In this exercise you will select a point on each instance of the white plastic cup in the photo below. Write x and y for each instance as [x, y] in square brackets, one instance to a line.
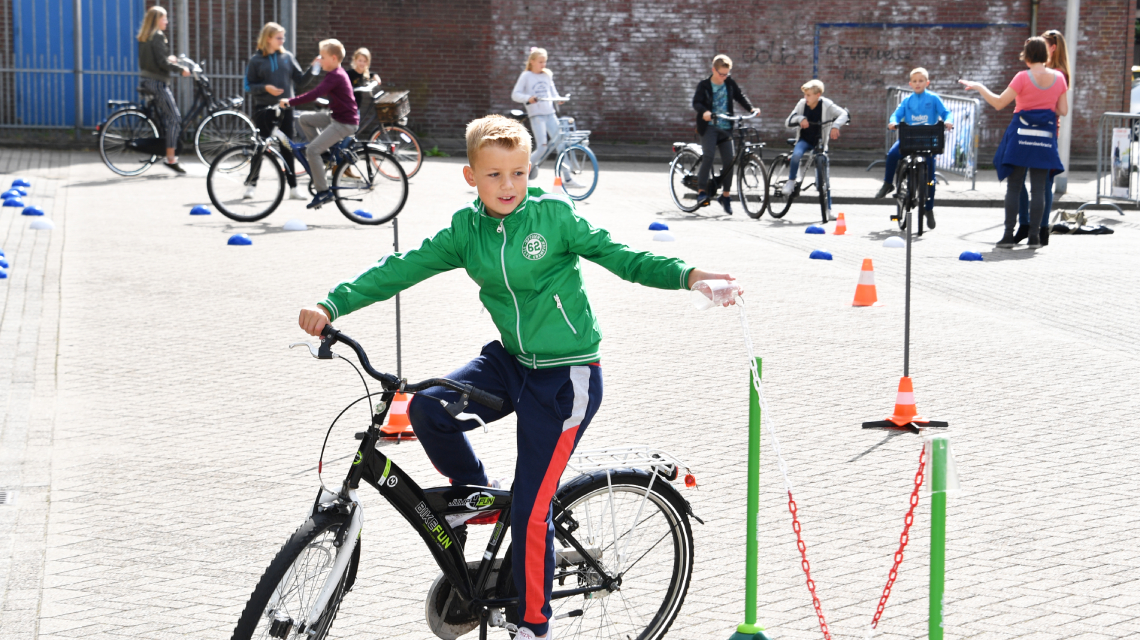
[316, 70]
[707, 294]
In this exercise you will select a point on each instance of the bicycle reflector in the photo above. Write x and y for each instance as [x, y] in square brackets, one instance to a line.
[489, 517]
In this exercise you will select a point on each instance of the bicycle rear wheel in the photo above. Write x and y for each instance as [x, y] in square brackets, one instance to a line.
[683, 180]
[903, 195]
[578, 169]
[244, 185]
[280, 604]
[220, 131]
[778, 204]
[119, 140]
[370, 186]
[823, 186]
[752, 185]
[404, 145]
[644, 537]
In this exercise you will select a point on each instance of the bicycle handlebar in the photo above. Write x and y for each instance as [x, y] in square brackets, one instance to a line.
[735, 118]
[331, 336]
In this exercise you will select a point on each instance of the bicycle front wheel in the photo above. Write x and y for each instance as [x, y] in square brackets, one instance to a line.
[245, 185]
[752, 186]
[220, 131]
[280, 604]
[683, 180]
[370, 187]
[578, 169]
[903, 195]
[778, 203]
[403, 144]
[123, 139]
[632, 529]
[823, 186]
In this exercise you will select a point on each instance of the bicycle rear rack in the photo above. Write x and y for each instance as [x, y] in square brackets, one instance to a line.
[643, 458]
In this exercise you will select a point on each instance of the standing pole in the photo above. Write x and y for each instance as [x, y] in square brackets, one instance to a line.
[396, 248]
[749, 630]
[1064, 140]
[906, 321]
[939, 447]
[77, 8]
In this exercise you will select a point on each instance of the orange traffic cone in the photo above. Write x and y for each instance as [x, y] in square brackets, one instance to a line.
[840, 226]
[557, 182]
[399, 427]
[865, 291]
[905, 409]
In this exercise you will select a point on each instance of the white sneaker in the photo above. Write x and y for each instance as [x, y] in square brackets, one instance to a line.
[831, 215]
[295, 194]
[573, 184]
[249, 192]
[524, 633]
[787, 188]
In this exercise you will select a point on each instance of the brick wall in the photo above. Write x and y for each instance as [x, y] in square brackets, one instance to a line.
[633, 65]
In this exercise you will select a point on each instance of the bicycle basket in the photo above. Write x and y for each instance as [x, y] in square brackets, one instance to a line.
[392, 105]
[924, 138]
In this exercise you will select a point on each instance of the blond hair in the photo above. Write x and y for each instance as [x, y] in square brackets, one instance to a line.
[919, 70]
[722, 62]
[536, 53]
[363, 52]
[1059, 59]
[498, 131]
[150, 23]
[813, 85]
[268, 31]
[332, 46]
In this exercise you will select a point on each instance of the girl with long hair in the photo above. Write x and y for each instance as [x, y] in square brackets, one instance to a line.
[270, 75]
[155, 66]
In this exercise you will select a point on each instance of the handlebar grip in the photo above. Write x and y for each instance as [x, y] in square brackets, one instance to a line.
[486, 399]
[328, 331]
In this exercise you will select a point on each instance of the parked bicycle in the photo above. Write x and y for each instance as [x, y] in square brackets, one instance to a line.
[130, 139]
[247, 183]
[751, 178]
[780, 199]
[384, 121]
[576, 165]
[623, 550]
[918, 145]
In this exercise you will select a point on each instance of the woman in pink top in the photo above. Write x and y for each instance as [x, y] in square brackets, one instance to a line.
[1030, 142]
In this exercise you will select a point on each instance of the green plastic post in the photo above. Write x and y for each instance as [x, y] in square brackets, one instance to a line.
[749, 630]
[938, 466]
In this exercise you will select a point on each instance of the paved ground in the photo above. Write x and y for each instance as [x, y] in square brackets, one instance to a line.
[163, 441]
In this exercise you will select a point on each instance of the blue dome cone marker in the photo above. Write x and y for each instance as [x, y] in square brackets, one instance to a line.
[815, 228]
[240, 239]
[2, 254]
[13, 202]
[362, 213]
[3, 276]
[20, 182]
[200, 210]
[971, 256]
[32, 211]
[14, 193]
[820, 255]
[658, 226]
[4, 264]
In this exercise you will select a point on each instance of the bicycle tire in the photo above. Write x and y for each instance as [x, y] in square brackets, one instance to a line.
[778, 204]
[296, 575]
[683, 179]
[667, 514]
[902, 196]
[823, 185]
[229, 177]
[221, 130]
[370, 186]
[752, 185]
[117, 132]
[922, 188]
[572, 166]
[405, 146]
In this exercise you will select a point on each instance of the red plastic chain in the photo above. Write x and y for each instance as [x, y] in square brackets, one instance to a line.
[903, 539]
[807, 568]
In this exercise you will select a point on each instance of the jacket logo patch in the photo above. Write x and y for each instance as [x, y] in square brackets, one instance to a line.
[534, 247]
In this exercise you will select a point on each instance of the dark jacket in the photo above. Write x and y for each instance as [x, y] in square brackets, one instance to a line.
[280, 70]
[152, 58]
[703, 100]
[1030, 140]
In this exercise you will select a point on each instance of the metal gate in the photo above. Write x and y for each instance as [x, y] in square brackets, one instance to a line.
[61, 60]
[1117, 161]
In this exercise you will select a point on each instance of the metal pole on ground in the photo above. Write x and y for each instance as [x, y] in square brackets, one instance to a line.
[939, 458]
[749, 630]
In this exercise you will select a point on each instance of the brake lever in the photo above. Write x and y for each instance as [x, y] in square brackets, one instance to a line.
[323, 352]
[461, 415]
[312, 349]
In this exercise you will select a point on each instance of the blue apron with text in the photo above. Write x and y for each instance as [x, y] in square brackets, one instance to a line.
[1030, 140]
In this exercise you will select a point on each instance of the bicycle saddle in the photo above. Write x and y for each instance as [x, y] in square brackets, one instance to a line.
[791, 142]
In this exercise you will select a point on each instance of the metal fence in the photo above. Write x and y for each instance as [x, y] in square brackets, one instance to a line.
[961, 154]
[1117, 160]
[61, 60]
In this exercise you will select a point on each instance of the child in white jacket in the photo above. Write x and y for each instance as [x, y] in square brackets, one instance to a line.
[535, 83]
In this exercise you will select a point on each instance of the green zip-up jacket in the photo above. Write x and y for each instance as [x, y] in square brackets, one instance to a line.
[529, 277]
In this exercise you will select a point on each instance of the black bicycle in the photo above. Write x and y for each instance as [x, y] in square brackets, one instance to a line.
[782, 191]
[623, 543]
[384, 121]
[247, 183]
[131, 140]
[918, 145]
[751, 178]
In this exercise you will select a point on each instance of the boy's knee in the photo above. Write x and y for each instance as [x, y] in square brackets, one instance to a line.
[425, 414]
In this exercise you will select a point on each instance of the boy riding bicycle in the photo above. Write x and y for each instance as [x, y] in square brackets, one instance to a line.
[332, 128]
[808, 119]
[714, 97]
[919, 108]
[522, 246]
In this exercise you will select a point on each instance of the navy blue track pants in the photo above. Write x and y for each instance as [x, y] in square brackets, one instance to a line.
[553, 408]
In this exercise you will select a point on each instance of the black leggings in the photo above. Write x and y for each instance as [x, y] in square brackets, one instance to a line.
[716, 138]
[264, 120]
[1013, 186]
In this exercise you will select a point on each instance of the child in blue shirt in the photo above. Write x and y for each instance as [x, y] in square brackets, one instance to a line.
[919, 108]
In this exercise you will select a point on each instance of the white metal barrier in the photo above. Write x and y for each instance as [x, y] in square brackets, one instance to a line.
[1117, 160]
[961, 154]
